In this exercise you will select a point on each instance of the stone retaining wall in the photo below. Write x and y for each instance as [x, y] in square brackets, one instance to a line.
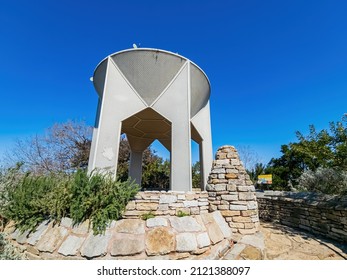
[231, 191]
[320, 214]
[205, 236]
[161, 203]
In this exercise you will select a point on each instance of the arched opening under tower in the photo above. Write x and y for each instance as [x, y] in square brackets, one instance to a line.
[142, 130]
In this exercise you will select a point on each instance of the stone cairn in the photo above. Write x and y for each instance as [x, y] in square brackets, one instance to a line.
[231, 191]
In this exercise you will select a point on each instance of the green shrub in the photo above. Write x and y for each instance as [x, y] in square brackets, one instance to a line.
[7, 250]
[30, 199]
[34, 199]
[99, 198]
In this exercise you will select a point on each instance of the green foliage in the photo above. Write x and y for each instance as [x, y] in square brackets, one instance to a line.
[324, 180]
[7, 250]
[325, 150]
[147, 216]
[30, 199]
[99, 198]
[156, 174]
[180, 213]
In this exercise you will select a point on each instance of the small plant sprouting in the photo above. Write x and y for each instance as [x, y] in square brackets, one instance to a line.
[180, 213]
[147, 216]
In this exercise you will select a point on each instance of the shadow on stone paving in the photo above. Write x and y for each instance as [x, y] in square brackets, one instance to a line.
[308, 236]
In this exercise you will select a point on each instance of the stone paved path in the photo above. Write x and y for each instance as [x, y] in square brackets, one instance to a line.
[278, 242]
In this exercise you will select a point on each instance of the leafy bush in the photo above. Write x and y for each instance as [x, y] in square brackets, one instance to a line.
[7, 250]
[99, 198]
[324, 180]
[30, 199]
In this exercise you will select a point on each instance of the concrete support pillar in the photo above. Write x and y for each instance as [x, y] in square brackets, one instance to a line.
[106, 137]
[201, 122]
[177, 95]
[135, 168]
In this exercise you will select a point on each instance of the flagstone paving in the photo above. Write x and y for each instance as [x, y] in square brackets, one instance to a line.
[278, 242]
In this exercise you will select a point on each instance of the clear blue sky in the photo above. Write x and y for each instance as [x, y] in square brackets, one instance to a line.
[275, 66]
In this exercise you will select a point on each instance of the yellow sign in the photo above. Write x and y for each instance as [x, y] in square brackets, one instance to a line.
[265, 179]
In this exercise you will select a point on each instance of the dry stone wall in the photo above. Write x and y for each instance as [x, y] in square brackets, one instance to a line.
[320, 214]
[161, 203]
[231, 191]
[206, 236]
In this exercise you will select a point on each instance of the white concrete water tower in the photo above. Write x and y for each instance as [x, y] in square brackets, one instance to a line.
[152, 94]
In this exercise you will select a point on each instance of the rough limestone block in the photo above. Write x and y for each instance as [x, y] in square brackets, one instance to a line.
[66, 222]
[214, 232]
[246, 188]
[231, 176]
[131, 205]
[203, 240]
[194, 210]
[203, 203]
[220, 221]
[147, 206]
[134, 226]
[71, 246]
[22, 237]
[51, 240]
[185, 224]
[95, 245]
[229, 197]
[186, 242]
[127, 245]
[38, 233]
[237, 207]
[191, 203]
[241, 219]
[160, 241]
[82, 228]
[252, 205]
[246, 196]
[167, 199]
[157, 222]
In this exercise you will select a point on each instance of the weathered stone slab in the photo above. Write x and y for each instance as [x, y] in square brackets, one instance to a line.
[134, 226]
[51, 240]
[160, 241]
[252, 205]
[167, 199]
[186, 242]
[147, 206]
[231, 176]
[185, 224]
[246, 196]
[38, 233]
[22, 237]
[224, 227]
[190, 203]
[66, 222]
[214, 232]
[95, 245]
[203, 240]
[246, 188]
[157, 222]
[127, 245]
[82, 228]
[71, 246]
[131, 205]
[229, 197]
[237, 207]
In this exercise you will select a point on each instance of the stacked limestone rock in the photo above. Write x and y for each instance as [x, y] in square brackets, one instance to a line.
[231, 191]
